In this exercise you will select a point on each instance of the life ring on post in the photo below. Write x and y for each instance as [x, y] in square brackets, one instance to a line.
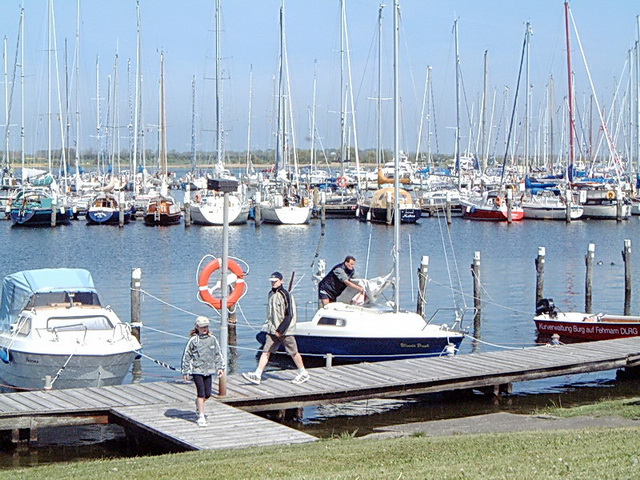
[203, 284]
[342, 182]
[198, 198]
[611, 195]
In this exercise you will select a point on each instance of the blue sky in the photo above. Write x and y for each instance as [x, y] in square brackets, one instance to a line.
[183, 30]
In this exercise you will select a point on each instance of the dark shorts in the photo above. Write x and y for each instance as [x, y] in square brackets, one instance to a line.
[203, 385]
[272, 343]
[322, 295]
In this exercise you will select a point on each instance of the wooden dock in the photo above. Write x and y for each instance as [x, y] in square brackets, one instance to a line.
[166, 409]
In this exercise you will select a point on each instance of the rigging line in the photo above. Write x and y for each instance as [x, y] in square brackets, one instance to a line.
[491, 302]
[164, 302]
[494, 344]
[320, 242]
[164, 332]
[446, 258]
[62, 368]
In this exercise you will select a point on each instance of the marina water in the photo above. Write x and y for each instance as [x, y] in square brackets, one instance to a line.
[169, 259]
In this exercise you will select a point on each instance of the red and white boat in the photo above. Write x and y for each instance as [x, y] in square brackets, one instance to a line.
[492, 206]
[583, 326]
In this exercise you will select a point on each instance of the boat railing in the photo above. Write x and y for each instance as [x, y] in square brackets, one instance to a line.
[73, 327]
[459, 314]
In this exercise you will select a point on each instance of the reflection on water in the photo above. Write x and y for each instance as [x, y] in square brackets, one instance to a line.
[169, 258]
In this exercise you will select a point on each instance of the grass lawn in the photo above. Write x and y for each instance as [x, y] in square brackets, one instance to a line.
[578, 454]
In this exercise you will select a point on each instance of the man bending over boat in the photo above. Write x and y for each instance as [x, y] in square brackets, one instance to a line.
[337, 280]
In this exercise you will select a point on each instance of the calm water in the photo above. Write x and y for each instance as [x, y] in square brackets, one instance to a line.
[169, 258]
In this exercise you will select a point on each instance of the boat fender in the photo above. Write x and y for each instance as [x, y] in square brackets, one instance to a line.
[611, 195]
[5, 356]
[342, 182]
[203, 284]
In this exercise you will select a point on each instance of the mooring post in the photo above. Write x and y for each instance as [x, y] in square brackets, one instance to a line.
[448, 208]
[568, 204]
[328, 360]
[389, 209]
[626, 256]
[509, 205]
[187, 205]
[477, 303]
[540, 274]
[136, 285]
[323, 208]
[120, 209]
[257, 212]
[54, 210]
[423, 271]
[588, 284]
[619, 204]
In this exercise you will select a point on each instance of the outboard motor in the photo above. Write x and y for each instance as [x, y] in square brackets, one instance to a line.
[546, 305]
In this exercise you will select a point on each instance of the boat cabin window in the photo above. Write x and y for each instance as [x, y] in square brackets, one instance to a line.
[335, 322]
[23, 326]
[89, 322]
[61, 298]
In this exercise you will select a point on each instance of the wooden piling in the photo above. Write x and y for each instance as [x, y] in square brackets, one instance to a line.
[389, 209]
[121, 211]
[626, 257]
[423, 271]
[136, 285]
[509, 205]
[568, 204]
[187, 206]
[540, 260]
[54, 211]
[588, 285]
[619, 205]
[448, 208]
[477, 299]
[257, 214]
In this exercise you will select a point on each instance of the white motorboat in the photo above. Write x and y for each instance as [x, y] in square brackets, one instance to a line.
[548, 206]
[55, 333]
[208, 209]
[283, 210]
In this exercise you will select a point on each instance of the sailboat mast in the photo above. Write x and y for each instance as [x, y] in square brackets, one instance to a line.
[396, 155]
[570, 86]
[193, 124]
[455, 30]
[163, 121]
[379, 99]
[22, 96]
[343, 129]
[219, 134]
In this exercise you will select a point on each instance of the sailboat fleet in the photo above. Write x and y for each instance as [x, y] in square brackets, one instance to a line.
[515, 187]
[520, 186]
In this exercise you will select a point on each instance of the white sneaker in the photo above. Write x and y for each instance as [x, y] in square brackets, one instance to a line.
[252, 377]
[301, 378]
[202, 421]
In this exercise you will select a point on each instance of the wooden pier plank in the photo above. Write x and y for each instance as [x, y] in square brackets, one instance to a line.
[227, 427]
[166, 408]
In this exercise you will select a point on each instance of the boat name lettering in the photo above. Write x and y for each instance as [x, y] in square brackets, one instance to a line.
[583, 329]
[414, 345]
[31, 360]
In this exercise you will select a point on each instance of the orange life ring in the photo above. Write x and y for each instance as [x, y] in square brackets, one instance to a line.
[498, 201]
[198, 197]
[203, 284]
[342, 182]
[611, 195]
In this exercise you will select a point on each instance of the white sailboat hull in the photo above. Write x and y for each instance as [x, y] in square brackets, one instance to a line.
[290, 215]
[210, 211]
